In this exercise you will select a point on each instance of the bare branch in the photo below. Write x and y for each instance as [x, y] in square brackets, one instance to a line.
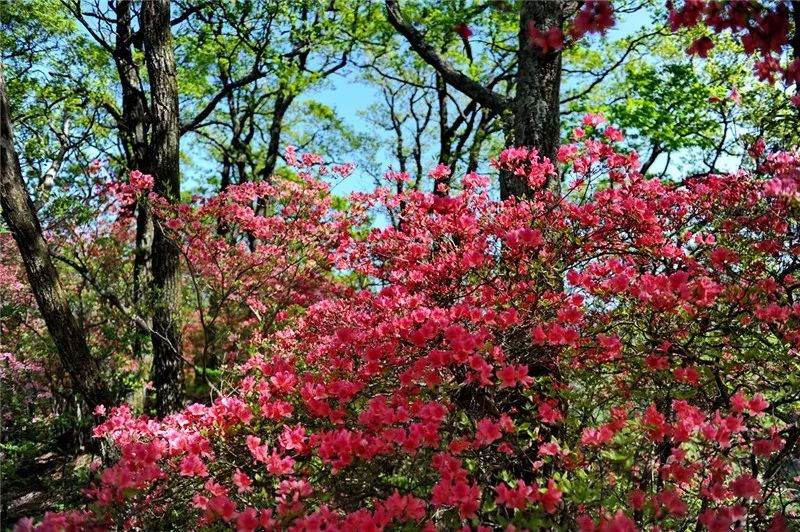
[254, 75]
[459, 80]
[48, 179]
[599, 79]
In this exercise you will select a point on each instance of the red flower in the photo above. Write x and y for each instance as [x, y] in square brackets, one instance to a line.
[223, 507]
[488, 431]
[551, 41]
[551, 497]
[247, 521]
[757, 404]
[242, 481]
[463, 30]
[700, 47]
[192, 465]
[746, 487]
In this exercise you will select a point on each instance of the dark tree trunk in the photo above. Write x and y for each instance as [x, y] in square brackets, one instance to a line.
[164, 166]
[133, 128]
[20, 216]
[282, 102]
[445, 136]
[133, 133]
[796, 38]
[536, 120]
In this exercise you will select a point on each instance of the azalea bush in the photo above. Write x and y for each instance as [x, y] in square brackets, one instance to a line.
[37, 412]
[257, 253]
[621, 356]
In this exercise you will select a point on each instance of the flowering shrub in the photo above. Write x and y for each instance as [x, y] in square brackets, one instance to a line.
[253, 254]
[257, 252]
[623, 356]
[28, 401]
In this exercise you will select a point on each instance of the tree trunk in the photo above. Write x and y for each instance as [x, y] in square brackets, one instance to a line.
[536, 121]
[445, 136]
[537, 103]
[164, 166]
[133, 133]
[20, 216]
[796, 39]
[282, 102]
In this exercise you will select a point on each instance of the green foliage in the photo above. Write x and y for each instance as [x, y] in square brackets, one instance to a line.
[666, 105]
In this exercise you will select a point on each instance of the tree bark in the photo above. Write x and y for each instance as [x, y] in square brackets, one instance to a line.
[133, 128]
[133, 133]
[441, 184]
[796, 38]
[20, 215]
[283, 100]
[164, 166]
[536, 121]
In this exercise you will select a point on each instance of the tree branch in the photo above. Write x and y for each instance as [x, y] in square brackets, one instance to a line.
[599, 79]
[486, 97]
[107, 296]
[48, 179]
[254, 75]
